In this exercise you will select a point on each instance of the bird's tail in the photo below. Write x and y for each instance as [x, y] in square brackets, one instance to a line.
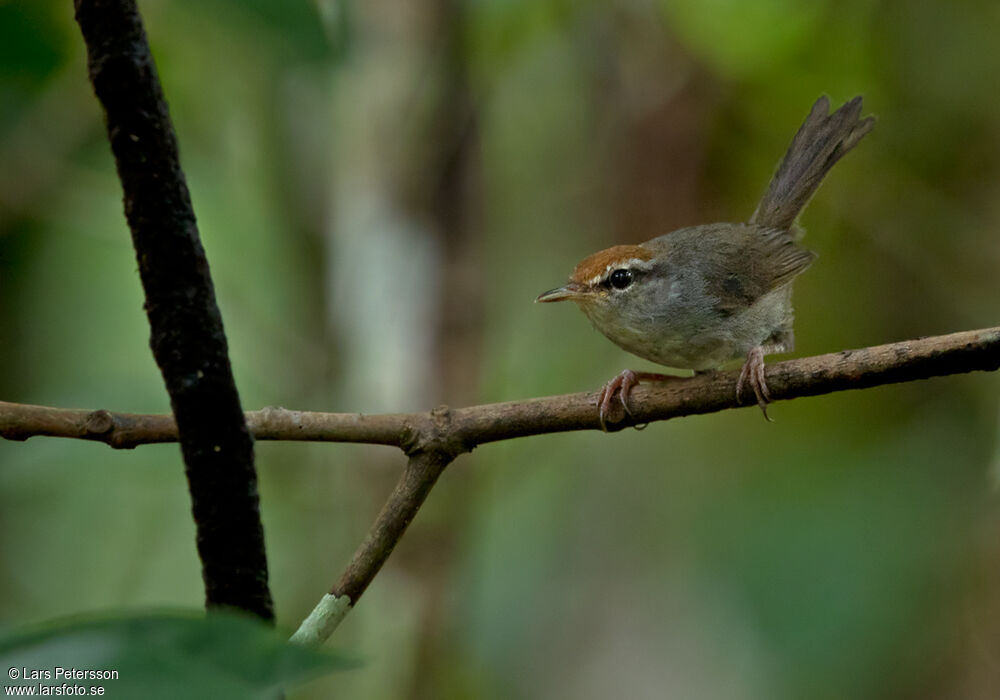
[821, 141]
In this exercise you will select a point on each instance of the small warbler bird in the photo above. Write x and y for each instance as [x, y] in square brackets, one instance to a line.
[701, 296]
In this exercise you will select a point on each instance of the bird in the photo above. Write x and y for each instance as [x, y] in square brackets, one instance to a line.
[702, 296]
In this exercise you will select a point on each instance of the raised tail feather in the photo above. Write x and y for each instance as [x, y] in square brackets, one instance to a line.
[821, 141]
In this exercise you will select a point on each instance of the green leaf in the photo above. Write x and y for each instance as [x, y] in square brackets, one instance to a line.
[173, 654]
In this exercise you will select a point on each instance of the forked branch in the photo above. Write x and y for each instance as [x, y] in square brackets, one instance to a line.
[434, 439]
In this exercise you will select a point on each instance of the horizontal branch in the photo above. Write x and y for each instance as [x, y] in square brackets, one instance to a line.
[433, 439]
[464, 428]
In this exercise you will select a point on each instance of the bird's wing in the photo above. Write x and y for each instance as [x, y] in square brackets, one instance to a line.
[744, 262]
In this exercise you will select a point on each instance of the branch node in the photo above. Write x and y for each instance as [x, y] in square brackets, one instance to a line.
[410, 439]
[435, 433]
[99, 422]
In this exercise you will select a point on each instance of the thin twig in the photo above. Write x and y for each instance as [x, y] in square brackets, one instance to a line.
[421, 473]
[187, 338]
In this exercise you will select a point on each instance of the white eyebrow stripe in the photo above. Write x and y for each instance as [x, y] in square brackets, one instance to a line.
[622, 265]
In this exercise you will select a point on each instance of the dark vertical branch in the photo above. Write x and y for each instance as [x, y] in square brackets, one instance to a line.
[187, 337]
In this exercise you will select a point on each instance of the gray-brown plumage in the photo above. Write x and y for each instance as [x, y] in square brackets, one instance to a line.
[701, 296]
[820, 142]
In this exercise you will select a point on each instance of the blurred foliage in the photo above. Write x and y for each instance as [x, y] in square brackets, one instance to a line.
[166, 655]
[382, 188]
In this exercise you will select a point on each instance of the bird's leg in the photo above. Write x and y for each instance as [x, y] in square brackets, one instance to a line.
[622, 384]
[753, 372]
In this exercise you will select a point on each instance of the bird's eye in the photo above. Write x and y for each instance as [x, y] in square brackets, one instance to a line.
[620, 279]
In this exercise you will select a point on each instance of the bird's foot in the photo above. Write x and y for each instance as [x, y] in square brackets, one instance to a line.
[622, 385]
[753, 373]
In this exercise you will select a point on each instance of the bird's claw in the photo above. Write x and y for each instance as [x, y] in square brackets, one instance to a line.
[753, 372]
[622, 385]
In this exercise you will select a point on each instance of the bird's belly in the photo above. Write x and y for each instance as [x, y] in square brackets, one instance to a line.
[696, 341]
[705, 350]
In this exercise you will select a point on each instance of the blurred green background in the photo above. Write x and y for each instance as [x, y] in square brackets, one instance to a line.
[382, 189]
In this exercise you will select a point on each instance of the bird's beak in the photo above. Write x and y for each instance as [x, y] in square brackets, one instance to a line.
[571, 290]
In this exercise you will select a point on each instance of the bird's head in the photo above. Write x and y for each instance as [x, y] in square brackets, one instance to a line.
[607, 279]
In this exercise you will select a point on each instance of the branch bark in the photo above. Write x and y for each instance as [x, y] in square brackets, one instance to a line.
[187, 337]
[909, 360]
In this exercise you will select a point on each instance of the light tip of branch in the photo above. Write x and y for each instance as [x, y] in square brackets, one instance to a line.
[322, 621]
